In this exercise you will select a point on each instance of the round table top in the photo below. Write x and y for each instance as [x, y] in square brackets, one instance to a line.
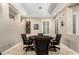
[40, 37]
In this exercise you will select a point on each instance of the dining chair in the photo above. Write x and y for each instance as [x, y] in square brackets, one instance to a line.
[40, 34]
[27, 42]
[55, 42]
[42, 46]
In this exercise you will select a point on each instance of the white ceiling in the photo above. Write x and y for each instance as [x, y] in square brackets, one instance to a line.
[33, 9]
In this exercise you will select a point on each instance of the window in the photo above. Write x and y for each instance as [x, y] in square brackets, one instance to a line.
[74, 24]
[46, 27]
[56, 26]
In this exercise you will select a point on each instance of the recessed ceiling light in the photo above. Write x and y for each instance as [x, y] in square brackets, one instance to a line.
[39, 7]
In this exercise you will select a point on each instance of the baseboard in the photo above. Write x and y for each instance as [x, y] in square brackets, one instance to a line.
[11, 48]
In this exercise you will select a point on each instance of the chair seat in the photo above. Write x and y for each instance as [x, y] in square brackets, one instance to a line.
[54, 43]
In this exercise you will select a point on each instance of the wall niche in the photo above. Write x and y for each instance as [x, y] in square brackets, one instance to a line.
[12, 12]
[28, 27]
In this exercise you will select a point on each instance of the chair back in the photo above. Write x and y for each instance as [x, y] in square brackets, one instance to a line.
[42, 44]
[40, 34]
[58, 37]
[24, 38]
[0, 53]
[30, 41]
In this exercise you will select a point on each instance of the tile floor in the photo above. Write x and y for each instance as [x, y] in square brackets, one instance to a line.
[19, 51]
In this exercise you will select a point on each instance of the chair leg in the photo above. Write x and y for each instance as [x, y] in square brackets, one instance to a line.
[58, 48]
[28, 47]
[32, 48]
[24, 48]
[54, 47]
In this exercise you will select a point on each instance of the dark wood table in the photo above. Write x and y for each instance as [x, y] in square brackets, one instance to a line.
[41, 43]
[35, 37]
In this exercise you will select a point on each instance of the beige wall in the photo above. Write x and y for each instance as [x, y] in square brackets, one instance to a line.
[75, 9]
[39, 21]
[61, 16]
[52, 26]
[66, 16]
[36, 21]
[69, 21]
[69, 39]
[9, 30]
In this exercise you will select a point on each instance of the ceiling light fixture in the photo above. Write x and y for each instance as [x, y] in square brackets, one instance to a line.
[39, 7]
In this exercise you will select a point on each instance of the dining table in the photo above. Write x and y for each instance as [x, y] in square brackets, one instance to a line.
[42, 45]
[35, 37]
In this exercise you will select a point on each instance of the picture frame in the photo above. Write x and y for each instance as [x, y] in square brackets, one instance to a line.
[36, 26]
